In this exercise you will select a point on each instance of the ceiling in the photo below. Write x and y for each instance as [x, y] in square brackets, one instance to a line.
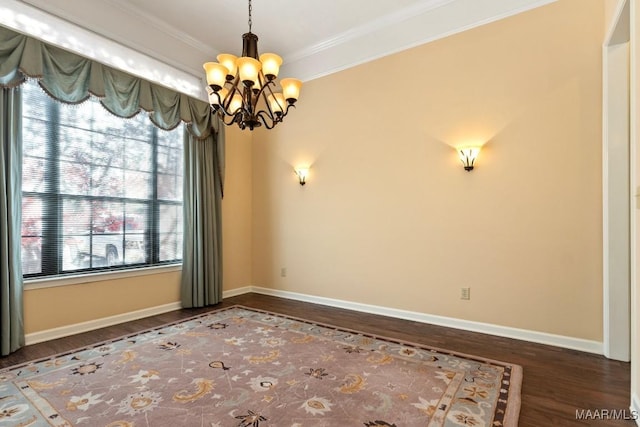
[314, 37]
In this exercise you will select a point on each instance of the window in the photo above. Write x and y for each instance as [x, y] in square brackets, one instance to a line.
[99, 192]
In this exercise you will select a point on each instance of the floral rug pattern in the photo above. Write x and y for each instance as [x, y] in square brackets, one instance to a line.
[241, 367]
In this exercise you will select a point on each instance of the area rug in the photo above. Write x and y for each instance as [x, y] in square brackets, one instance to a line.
[241, 367]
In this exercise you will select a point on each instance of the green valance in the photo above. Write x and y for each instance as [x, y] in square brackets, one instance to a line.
[71, 78]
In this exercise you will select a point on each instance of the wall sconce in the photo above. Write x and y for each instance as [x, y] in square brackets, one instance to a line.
[468, 156]
[302, 174]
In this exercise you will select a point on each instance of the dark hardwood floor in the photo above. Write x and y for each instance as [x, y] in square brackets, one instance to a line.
[556, 381]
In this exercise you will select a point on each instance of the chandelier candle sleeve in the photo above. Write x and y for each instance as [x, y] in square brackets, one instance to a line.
[244, 91]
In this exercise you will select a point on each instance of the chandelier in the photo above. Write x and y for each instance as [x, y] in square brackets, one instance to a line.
[243, 90]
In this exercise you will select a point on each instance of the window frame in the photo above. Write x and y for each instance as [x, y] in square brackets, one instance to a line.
[52, 201]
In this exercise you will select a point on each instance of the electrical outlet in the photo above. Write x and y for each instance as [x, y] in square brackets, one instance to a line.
[283, 272]
[465, 293]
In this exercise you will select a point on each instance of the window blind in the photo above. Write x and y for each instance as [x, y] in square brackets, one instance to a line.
[99, 192]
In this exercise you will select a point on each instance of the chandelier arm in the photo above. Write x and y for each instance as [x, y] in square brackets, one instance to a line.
[266, 113]
[224, 104]
[273, 121]
[285, 112]
[217, 94]
[264, 87]
[221, 104]
[236, 81]
[224, 111]
[229, 123]
[266, 101]
[230, 95]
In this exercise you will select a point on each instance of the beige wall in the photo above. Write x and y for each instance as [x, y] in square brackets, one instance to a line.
[67, 305]
[389, 217]
[236, 211]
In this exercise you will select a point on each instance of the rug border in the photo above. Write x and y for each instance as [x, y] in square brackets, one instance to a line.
[111, 340]
[512, 412]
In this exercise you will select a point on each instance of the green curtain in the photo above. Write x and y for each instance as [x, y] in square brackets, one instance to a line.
[11, 310]
[71, 78]
[202, 195]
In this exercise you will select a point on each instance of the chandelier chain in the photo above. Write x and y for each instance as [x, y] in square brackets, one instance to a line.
[250, 21]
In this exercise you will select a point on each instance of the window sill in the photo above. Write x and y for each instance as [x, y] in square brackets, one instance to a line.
[52, 282]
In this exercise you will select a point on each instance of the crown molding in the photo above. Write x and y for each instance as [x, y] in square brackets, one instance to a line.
[159, 24]
[369, 28]
[136, 15]
[422, 22]
[405, 29]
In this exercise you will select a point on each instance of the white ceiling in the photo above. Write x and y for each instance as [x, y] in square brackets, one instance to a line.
[314, 37]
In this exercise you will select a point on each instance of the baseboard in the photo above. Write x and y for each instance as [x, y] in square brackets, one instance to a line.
[486, 328]
[635, 408]
[77, 328]
[467, 325]
[238, 291]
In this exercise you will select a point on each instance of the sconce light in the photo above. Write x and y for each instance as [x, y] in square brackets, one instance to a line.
[468, 156]
[302, 175]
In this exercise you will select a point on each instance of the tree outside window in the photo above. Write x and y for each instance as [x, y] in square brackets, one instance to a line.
[99, 191]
